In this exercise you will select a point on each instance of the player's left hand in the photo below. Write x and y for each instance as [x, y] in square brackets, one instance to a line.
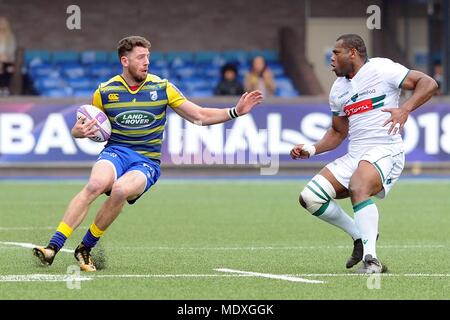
[248, 101]
[397, 119]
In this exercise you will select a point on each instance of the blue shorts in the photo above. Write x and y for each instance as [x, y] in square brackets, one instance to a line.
[124, 160]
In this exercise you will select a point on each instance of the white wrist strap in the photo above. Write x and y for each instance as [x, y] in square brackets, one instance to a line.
[310, 149]
[232, 113]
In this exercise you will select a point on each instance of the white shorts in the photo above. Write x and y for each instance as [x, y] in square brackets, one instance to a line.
[388, 160]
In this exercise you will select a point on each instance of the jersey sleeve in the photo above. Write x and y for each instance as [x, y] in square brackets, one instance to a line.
[97, 100]
[394, 73]
[335, 109]
[174, 96]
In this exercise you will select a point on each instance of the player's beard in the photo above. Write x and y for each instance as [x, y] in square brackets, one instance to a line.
[136, 75]
[343, 71]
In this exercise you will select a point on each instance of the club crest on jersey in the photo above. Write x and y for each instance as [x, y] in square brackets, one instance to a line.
[135, 119]
[153, 95]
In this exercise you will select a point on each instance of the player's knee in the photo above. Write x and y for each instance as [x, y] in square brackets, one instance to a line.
[358, 191]
[119, 192]
[95, 187]
[301, 201]
[317, 193]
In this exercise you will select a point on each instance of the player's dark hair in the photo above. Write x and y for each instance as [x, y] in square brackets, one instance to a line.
[353, 41]
[127, 44]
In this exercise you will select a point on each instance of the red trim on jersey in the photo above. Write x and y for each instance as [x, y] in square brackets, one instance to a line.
[134, 88]
[358, 107]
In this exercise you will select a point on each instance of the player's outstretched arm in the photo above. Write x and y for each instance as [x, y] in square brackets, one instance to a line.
[424, 88]
[207, 116]
[330, 141]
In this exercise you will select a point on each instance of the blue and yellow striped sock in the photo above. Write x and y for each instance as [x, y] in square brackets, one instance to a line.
[92, 236]
[59, 238]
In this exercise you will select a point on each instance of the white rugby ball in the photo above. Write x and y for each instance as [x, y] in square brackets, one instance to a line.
[103, 124]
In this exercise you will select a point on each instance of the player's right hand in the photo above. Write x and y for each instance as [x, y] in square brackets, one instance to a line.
[84, 129]
[298, 152]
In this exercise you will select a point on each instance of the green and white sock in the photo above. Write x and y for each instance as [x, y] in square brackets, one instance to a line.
[366, 220]
[336, 216]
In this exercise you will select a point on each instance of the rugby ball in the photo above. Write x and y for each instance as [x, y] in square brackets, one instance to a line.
[103, 124]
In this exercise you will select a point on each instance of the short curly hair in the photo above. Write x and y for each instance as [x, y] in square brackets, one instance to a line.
[354, 41]
[127, 44]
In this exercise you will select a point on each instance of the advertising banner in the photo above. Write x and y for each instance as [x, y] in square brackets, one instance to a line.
[34, 132]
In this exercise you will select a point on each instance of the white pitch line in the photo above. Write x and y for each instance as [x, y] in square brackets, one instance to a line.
[234, 274]
[25, 228]
[188, 275]
[65, 278]
[41, 278]
[432, 246]
[270, 276]
[29, 245]
[365, 275]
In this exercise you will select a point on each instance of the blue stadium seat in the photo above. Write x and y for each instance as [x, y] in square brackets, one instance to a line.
[81, 83]
[285, 87]
[180, 58]
[163, 73]
[72, 70]
[237, 56]
[65, 56]
[89, 57]
[44, 83]
[101, 70]
[157, 56]
[44, 70]
[210, 71]
[186, 71]
[276, 68]
[83, 92]
[268, 55]
[201, 93]
[113, 57]
[209, 58]
[36, 57]
[198, 83]
[57, 92]
[195, 74]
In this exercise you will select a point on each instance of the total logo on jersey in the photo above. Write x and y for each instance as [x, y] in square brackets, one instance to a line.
[364, 105]
[135, 119]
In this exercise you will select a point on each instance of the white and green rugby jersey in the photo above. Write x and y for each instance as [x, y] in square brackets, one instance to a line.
[375, 86]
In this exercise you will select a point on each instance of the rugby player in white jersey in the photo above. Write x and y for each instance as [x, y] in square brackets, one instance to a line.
[364, 100]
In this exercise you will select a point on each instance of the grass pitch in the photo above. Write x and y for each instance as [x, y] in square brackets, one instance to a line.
[171, 243]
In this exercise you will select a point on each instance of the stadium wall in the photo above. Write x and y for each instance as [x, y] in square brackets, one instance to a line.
[170, 25]
[35, 139]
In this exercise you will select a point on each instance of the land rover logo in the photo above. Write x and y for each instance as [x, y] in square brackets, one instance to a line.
[135, 119]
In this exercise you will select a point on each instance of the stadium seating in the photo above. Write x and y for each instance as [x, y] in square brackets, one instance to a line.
[71, 73]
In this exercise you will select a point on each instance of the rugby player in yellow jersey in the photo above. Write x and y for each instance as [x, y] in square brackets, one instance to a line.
[135, 103]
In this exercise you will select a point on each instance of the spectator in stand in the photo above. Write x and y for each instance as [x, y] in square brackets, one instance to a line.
[229, 85]
[260, 77]
[7, 52]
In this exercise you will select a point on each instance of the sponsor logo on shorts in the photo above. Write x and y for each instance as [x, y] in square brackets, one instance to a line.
[135, 119]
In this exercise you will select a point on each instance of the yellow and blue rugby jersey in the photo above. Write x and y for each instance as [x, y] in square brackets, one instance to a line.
[137, 117]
